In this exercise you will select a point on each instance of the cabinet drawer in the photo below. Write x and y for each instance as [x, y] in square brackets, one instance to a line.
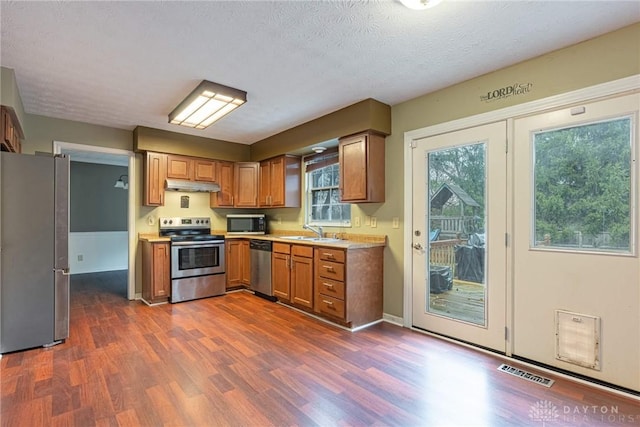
[330, 288]
[331, 306]
[281, 248]
[303, 251]
[331, 270]
[328, 254]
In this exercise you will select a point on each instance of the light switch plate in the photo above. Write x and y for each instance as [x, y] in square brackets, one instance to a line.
[367, 220]
[374, 222]
[356, 221]
[396, 222]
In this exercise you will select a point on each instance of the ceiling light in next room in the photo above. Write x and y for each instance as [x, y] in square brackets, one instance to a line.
[206, 104]
[121, 184]
[319, 149]
[420, 4]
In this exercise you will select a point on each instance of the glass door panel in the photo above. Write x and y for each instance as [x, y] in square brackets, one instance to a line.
[456, 222]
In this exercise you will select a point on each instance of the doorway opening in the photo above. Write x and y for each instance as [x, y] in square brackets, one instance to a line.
[101, 240]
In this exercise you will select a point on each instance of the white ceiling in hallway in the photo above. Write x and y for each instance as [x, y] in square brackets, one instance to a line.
[123, 64]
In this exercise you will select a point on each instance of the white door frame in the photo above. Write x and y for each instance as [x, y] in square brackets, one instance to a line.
[579, 96]
[59, 146]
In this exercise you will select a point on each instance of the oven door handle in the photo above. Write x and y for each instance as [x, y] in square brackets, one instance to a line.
[198, 243]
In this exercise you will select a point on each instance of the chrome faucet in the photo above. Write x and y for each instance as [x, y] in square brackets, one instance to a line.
[318, 230]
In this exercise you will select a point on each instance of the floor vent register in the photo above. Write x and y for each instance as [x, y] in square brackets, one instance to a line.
[547, 382]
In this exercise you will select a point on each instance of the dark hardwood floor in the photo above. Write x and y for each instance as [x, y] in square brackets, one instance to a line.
[243, 361]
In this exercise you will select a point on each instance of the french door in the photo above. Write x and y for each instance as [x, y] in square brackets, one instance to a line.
[459, 225]
[575, 240]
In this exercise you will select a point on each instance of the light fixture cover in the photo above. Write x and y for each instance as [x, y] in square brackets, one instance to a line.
[121, 184]
[206, 104]
[420, 4]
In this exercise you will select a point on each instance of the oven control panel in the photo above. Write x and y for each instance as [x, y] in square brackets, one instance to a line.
[184, 223]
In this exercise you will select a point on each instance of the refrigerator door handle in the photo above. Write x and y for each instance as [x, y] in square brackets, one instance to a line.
[64, 271]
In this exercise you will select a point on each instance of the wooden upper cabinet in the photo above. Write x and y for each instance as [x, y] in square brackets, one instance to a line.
[265, 183]
[280, 182]
[155, 173]
[191, 168]
[10, 131]
[204, 170]
[224, 197]
[362, 160]
[245, 194]
[179, 167]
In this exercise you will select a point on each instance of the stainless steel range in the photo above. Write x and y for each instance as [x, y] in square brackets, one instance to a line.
[197, 258]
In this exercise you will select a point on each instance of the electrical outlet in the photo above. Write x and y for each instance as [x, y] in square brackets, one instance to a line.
[279, 220]
[396, 222]
[374, 222]
[356, 221]
[151, 220]
[367, 220]
[80, 258]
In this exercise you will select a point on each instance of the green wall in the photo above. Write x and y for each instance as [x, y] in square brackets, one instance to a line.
[95, 204]
[606, 58]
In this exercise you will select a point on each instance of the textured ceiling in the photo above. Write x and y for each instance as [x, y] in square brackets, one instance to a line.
[123, 64]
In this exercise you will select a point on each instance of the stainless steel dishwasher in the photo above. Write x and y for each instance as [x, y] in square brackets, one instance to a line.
[260, 251]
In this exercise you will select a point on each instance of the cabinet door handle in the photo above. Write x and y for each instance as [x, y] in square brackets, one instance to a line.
[328, 267]
[327, 255]
[328, 285]
[327, 302]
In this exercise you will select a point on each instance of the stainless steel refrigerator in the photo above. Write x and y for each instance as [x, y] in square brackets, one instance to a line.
[34, 261]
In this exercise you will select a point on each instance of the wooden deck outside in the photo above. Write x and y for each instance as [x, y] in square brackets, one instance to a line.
[465, 301]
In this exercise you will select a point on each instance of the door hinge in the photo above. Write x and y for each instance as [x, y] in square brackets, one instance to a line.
[506, 239]
[506, 333]
[506, 146]
[414, 144]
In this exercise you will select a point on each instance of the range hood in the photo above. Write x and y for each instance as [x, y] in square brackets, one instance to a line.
[191, 186]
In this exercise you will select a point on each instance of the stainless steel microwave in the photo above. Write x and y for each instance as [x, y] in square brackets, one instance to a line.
[246, 224]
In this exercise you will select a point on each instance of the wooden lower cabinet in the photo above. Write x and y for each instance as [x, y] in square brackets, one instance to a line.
[292, 274]
[302, 275]
[281, 271]
[156, 272]
[348, 285]
[238, 268]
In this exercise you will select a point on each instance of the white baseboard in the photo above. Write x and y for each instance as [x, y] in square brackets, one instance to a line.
[390, 318]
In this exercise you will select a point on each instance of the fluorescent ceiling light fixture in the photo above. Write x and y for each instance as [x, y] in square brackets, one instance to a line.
[420, 4]
[319, 149]
[121, 184]
[207, 103]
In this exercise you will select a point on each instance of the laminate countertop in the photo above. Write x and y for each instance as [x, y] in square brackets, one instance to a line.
[342, 240]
